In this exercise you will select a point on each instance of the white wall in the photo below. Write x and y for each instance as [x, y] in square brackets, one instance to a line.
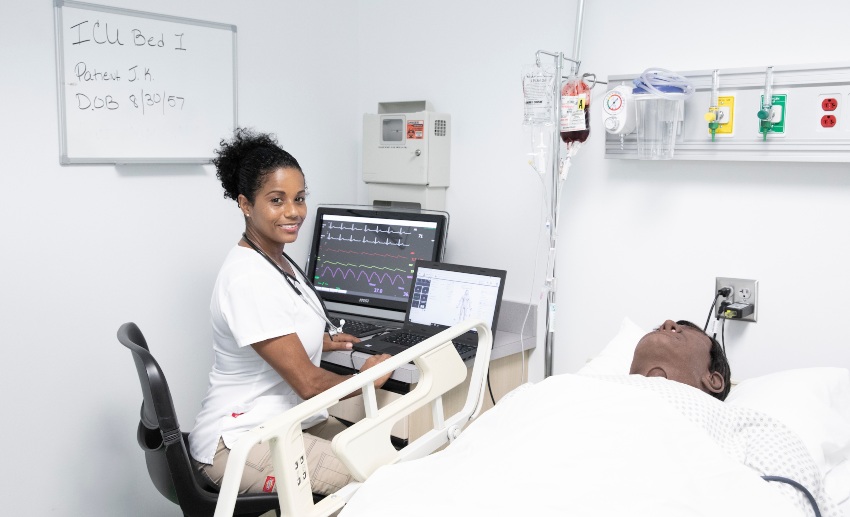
[647, 239]
[636, 239]
[465, 57]
[88, 248]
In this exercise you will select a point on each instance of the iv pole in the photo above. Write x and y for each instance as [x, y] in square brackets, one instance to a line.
[554, 201]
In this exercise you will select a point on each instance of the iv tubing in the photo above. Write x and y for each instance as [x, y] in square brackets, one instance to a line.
[534, 275]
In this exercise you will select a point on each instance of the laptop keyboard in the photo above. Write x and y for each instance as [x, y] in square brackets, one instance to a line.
[463, 349]
[406, 339]
[403, 338]
[358, 328]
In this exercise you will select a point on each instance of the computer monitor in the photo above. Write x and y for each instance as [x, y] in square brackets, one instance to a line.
[362, 258]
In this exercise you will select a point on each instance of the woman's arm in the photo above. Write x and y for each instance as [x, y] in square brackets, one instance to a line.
[287, 356]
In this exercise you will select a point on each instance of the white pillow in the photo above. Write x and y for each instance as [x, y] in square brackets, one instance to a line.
[814, 403]
[616, 357]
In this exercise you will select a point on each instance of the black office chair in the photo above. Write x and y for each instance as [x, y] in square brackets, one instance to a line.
[166, 447]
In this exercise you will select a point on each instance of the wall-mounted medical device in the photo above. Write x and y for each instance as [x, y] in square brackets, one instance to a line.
[652, 108]
[406, 151]
[765, 113]
[619, 110]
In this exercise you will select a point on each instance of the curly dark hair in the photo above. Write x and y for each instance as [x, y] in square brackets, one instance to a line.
[719, 362]
[243, 162]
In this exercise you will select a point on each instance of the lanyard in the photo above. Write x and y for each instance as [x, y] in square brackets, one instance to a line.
[321, 311]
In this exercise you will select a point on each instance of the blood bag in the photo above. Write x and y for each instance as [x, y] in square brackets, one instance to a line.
[575, 110]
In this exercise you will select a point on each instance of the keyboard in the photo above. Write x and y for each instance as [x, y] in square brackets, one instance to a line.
[404, 338]
[358, 328]
[408, 340]
[465, 351]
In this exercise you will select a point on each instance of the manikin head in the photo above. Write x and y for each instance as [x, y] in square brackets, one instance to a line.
[680, 351]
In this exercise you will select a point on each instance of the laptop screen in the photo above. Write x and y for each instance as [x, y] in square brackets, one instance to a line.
[446, 294]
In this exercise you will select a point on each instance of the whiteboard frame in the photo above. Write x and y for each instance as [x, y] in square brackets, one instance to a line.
[64, 159]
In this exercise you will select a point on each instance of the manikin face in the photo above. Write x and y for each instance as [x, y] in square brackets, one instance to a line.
[679, 353]
[278, 211]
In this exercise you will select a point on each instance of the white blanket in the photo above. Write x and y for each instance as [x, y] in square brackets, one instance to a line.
[579, 445]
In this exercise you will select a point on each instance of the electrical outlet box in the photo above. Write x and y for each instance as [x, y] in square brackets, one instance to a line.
[743, 291]
[830, 112]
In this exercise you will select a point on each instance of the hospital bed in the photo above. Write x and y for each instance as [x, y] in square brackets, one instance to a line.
[593, 443]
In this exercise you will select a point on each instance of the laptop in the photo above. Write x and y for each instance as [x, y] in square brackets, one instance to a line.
[443, 295]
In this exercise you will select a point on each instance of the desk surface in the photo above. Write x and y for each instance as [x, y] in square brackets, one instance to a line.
[504, 344]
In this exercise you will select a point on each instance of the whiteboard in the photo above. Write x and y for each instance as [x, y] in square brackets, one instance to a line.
[137, 87]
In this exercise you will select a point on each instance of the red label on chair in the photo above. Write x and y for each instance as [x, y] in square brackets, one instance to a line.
[269, 485]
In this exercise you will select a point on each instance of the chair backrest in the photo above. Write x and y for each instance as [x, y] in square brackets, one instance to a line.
[165, 446]
[157, 406]
[159, 433]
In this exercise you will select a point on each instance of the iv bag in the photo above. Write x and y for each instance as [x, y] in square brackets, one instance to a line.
[575, 110]
[538, 90]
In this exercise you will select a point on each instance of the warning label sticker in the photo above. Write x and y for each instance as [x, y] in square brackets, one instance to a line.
[415, 129]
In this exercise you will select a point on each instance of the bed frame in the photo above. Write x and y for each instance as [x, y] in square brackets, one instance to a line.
[366, 445]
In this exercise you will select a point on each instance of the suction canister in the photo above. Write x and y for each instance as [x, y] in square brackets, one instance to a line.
[659, 98]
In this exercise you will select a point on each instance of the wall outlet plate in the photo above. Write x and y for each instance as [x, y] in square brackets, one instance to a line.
[743, 291]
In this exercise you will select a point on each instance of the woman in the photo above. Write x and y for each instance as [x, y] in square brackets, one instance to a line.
[268, 339]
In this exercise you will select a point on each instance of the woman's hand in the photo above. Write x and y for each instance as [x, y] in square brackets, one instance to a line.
[372, 361]
[344, 342]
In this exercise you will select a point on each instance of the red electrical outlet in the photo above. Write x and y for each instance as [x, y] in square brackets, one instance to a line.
[828, 121]
[829, 104]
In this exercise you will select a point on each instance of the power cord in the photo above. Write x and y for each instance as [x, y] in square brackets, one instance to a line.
[724, 292]
[490, 388]
[710, 312]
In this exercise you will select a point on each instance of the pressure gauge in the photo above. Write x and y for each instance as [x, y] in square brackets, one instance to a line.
[619, 111]
[613, 102]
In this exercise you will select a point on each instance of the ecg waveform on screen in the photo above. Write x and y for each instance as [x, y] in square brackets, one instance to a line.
[395, 236]
[373, 277]
[367, 229]
[350, 252]
[386, 242]
[368, 258]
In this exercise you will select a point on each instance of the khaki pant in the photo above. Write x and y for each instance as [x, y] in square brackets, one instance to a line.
[327, 473]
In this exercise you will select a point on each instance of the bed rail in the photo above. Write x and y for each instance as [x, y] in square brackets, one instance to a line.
[366, 445]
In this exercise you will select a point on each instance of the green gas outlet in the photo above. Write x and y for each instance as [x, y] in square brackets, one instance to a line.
[777, 113]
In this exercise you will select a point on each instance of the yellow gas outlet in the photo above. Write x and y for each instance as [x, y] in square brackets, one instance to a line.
[726, 108]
